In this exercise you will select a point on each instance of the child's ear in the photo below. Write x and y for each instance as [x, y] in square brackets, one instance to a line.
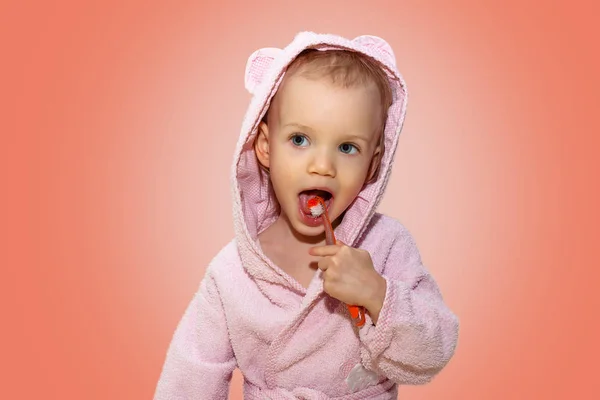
[375, 164]
[261, 145]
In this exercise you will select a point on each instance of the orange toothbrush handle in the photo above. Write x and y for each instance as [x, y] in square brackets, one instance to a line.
[358, 315]
[356, 312]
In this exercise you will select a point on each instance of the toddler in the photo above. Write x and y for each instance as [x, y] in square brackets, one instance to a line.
[324, 120]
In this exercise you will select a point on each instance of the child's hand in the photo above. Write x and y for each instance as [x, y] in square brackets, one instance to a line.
[349, 276]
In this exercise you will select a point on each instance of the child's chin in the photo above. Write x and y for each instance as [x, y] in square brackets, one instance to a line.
[308, 229]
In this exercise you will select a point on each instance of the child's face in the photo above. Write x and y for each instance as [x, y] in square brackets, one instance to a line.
[319, 135]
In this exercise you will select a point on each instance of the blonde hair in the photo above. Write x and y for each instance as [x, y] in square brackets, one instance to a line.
[344, 68]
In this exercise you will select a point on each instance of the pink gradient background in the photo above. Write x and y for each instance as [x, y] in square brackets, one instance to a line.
[118, 124]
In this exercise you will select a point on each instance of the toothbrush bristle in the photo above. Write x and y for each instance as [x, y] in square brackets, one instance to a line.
[316, 207]
[317, 210]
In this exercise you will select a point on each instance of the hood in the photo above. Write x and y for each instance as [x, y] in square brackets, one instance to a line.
[254, 203]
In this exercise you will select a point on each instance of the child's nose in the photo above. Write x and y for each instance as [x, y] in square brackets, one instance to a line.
[322, 164]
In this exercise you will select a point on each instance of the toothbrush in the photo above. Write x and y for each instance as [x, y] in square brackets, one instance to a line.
[317, 208]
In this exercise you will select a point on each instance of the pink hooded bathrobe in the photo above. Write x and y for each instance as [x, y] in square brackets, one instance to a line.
[290, 342]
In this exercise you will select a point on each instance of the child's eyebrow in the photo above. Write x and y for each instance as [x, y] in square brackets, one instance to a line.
[298, 126]
[357, 137]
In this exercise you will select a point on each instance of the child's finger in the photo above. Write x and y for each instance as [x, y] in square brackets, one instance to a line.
[324, 251]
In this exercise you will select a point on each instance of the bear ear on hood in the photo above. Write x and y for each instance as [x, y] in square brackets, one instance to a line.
[378, 45]
[258, 63]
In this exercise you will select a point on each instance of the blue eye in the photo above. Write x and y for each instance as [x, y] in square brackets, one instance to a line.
[348, 148]
[299, 140]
